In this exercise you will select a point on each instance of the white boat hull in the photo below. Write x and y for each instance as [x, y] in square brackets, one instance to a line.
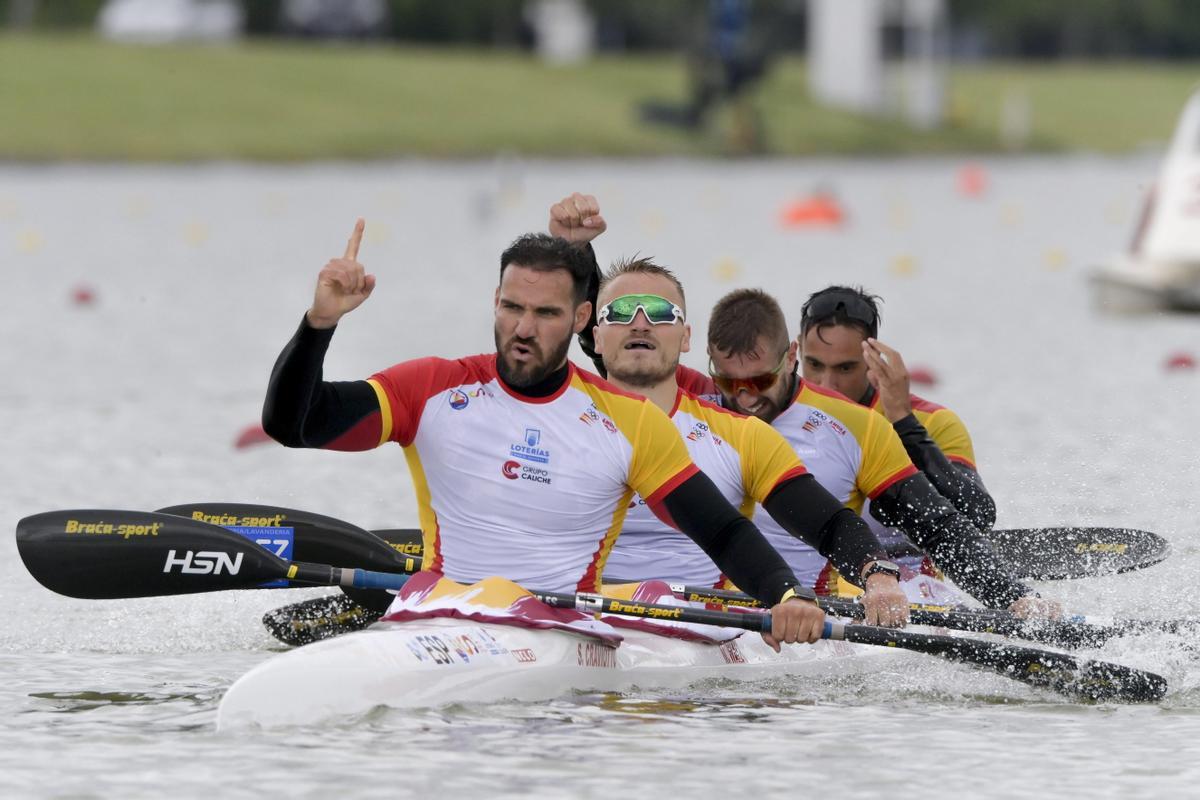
[1126, 285]
[438, 661]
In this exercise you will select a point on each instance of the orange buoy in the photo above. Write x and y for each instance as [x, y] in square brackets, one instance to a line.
[1181, 360]
[83, 295]
[250, 436]
[972, 180]
[922, 376]
[820, 210]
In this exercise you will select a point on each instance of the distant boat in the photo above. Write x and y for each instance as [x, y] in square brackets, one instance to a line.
[1161, 271]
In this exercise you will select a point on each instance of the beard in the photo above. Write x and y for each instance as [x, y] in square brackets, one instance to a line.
[641, 375]
[530, 373]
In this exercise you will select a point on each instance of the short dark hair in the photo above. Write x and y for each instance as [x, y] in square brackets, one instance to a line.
[741, 317]
[851, 306]
[545, 253]
[641, 266]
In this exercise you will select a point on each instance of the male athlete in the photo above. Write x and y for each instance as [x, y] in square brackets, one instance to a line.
[523, 465]
[839, 350]
[851, 450]
[641, 332]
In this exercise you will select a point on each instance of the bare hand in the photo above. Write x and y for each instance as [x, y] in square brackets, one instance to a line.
[885, 602]
[1033, 607]
[889, 376]
[577, 219]
[795, 620]
[342, 285]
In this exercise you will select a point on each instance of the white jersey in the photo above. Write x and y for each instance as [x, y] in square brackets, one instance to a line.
[851, 451]
[741, 455]
[531, 489]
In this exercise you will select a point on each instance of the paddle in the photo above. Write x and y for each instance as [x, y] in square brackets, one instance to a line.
[1051, 554]
[1072, 632]
[326, 539]
[110, 554]
[101, 554]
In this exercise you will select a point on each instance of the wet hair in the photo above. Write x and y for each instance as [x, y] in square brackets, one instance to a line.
[546, 253]
[741, 317]
[852, 307]
[641, 266]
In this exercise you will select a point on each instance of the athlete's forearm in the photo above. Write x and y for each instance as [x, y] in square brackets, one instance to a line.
[301, 410]
[586, 337]
[958, 483]
[810, 513]
[958, 549]
[697, 508]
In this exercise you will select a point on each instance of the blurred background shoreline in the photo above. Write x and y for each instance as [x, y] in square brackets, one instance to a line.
[276, 81]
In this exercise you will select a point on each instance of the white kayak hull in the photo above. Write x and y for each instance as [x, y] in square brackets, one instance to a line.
[438, 661]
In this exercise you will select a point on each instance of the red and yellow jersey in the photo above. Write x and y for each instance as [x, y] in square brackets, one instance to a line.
[531, 489]
[943, 426]
[851, 451]
[743, 456]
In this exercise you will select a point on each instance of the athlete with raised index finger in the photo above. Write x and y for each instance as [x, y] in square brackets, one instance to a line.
[523, 464]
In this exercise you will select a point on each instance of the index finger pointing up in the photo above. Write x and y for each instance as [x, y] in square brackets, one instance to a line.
[355, 240]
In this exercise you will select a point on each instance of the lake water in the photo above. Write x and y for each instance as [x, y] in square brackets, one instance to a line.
[200, 274]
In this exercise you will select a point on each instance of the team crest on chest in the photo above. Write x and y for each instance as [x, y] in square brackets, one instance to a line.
[530, 449]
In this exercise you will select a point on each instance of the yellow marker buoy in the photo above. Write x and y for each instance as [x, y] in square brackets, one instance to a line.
[30, 241]
[903, 266]
[726, 270]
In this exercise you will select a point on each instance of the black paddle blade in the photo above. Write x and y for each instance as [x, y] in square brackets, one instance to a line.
[1049, 554]
[1084, 680]
[317, 618]
[99, 554]
[317, 538]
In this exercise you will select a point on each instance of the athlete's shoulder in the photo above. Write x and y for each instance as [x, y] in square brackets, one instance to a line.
[592, 383]
[467, 369]
[831, 402]
[694, 381]
[925, 406]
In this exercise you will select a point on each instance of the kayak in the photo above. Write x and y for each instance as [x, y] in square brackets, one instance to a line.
[436, 661]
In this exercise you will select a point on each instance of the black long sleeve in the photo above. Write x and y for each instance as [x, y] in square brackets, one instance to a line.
[301, 410]
[958, 549]
[698, 509]
[806, 510]
[586, 338]
[958, 483]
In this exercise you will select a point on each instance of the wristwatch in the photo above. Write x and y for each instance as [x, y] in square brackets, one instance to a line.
[886, 567]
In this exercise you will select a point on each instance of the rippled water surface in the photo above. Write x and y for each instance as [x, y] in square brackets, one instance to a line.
[200, 274]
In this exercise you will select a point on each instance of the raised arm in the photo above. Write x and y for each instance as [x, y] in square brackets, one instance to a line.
[302, 410]
[957, 482]
[577, 219]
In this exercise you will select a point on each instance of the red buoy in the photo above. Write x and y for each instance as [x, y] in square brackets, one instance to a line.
[922, 376]
[820, 210]
[250, 436]
[972, 180]
[83, 295]
[1181, 360]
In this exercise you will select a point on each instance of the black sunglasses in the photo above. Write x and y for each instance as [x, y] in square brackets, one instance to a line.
[837, 306]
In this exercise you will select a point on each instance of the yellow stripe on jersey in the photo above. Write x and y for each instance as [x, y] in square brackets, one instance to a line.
[949, 433]
[659, 459]
[884, 459]
[385, 411]
[592, 576]
[766, 457]
[430, 546]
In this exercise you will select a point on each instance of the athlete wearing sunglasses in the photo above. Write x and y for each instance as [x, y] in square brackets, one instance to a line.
[839, 350]
[521, 461]
[640, 334]
[853, 452]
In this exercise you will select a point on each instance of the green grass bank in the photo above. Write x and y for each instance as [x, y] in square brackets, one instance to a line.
[78, 98]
